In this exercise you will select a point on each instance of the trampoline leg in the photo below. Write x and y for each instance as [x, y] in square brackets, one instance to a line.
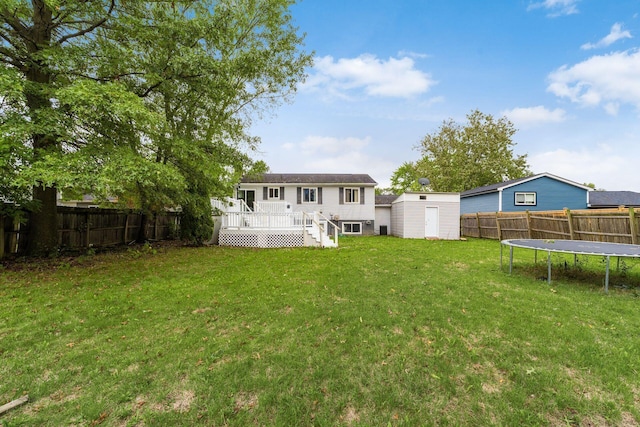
[549, 267]
[501, 255]
[510, 259]
[606, 277]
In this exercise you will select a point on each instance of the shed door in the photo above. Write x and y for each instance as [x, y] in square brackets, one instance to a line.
[431, 221]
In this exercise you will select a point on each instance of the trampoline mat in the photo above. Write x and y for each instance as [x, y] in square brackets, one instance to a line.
[577, 247]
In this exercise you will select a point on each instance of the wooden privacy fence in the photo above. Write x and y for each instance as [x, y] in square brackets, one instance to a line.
[91, 228]
[614, 226]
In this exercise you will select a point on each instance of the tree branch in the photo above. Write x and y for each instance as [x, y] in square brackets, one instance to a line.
[89, 28]
[9, 58]
[15, 24]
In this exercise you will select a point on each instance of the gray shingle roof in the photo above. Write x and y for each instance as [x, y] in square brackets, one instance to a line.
[491, 188]
[385, 199]
[501, 185]
[604, 199]
[310, 178]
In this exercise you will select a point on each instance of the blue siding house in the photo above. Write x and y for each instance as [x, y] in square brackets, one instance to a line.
[541, 192]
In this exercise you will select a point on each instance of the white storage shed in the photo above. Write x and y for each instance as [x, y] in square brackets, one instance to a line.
[426, 215]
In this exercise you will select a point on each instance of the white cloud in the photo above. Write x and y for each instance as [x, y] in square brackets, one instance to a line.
[330, 145]
[531, 116]
[601, 165]
[395, 77]
[411, 54]
[613, 36]
[326, 154]
[556, 7]
[611, 80]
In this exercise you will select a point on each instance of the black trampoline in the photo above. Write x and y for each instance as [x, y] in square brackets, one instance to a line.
[576, 247]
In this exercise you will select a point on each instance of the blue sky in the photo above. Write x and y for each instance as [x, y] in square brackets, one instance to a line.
[388, 72]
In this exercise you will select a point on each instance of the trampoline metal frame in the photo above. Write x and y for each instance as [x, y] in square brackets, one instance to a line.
[548, 246]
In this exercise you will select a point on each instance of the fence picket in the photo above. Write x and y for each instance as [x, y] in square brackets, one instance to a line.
[87, 227]
[615, 226]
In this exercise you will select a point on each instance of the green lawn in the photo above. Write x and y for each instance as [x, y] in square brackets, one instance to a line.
[380, 332]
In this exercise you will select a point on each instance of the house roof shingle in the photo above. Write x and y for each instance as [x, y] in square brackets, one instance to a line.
[385, 199]
[605, 199]
[501, 185]
[310, 178]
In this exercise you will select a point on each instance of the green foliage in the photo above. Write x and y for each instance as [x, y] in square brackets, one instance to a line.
[146, 101]
[461, 157]
[196, 219]
[405, 178]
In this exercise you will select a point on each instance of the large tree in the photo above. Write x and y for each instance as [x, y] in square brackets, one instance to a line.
[147, 101]
[460, 157]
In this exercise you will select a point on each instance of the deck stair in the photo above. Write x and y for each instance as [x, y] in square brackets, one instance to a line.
[271, 224]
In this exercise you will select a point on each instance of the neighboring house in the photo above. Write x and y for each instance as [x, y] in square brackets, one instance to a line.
[541, 192]
[426, 215]
[347, 200]
[613, 199]
[87, 201]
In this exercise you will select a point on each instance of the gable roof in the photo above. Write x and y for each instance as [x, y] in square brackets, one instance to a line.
[495, 188]
[385, 199]
[310, 178]
[607, 199]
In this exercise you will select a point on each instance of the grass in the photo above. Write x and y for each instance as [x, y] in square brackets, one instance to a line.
[382, 331]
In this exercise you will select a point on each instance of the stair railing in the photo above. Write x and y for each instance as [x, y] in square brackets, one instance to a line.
[313, 218]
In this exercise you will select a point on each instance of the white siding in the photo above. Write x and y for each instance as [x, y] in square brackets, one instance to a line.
[397, 219]
[414, 220]
[383, 217]
[408, 215]
[330, 206]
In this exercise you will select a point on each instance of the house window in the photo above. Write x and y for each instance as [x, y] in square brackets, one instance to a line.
[352, 195]
[351, 228]
[525, 199]
[274, 193]
[309, 195]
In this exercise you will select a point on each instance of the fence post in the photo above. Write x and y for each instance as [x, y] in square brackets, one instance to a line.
[633, 226]
[1, 237]
[87, 240]
[567, 212]
[126, 229]
[478, 225]
[529, 234]
[498, 226]
[155, 227]
[13, 239]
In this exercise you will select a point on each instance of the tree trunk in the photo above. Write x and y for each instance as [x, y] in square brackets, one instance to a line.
[143, 236]
[43, 224]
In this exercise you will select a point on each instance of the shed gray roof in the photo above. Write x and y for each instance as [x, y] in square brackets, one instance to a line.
[506, 184]
[310, 178]
[385, 199]
[605, 199]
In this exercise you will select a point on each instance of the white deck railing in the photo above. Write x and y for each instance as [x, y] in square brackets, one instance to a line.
[274, 215]
[322, 225]
[272, 206]
[263, 220]
[230, 205]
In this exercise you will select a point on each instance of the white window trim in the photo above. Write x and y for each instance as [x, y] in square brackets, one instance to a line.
[352, 190]
[527, 195]
[315, 193]
[359, 224]
[275, 191]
